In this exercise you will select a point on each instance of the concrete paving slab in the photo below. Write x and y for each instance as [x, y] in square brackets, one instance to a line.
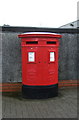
[62, 106]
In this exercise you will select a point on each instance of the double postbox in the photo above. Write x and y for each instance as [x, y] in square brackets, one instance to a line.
[39, 64]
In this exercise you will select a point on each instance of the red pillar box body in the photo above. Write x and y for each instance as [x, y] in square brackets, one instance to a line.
[39, 64]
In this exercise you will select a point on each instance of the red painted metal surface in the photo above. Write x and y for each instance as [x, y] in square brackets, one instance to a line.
[40, 66]
[39, 34]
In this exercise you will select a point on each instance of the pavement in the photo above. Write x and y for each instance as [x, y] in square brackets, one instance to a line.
[62, 106]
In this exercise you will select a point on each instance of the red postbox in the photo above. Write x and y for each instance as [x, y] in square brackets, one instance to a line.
[39, 64]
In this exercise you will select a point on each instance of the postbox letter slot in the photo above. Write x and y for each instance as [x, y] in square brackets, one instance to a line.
[52, 56]
[51, 42]
[32, 42]
[31, 56]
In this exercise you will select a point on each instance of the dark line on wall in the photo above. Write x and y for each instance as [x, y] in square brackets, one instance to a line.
[39, 29]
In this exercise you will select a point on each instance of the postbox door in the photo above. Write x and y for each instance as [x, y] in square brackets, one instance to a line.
[47, 66]
[52, 66]
[41, 67]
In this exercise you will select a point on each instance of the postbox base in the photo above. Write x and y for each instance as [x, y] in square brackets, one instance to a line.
[39, 92]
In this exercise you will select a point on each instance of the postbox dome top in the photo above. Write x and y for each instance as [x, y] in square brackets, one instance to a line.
[39, 34]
